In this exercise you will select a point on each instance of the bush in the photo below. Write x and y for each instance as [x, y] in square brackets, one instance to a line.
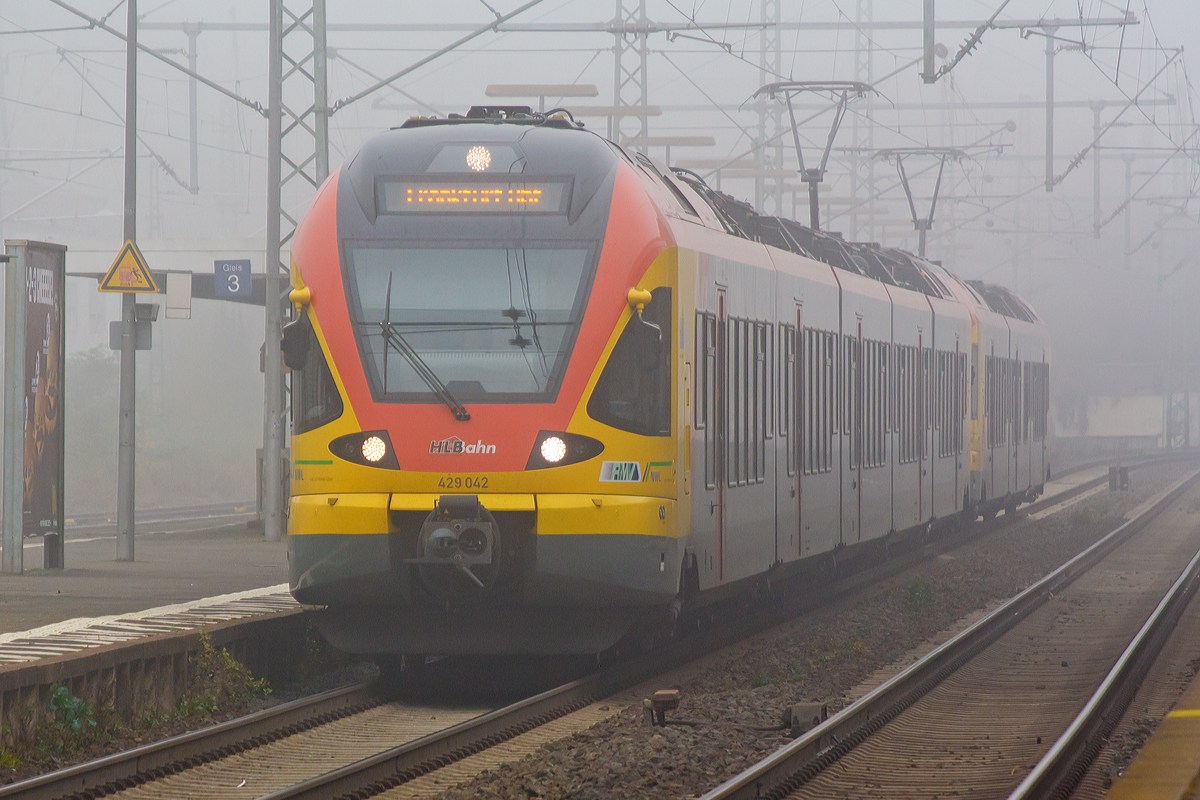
[220, 681]
[920, 596]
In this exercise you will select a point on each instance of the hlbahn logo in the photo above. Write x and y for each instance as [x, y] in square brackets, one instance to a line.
[456, 446]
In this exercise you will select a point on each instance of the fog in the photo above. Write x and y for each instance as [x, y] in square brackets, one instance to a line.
[1118, 305]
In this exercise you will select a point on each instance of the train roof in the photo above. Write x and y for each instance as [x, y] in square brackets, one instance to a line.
[888, 265]
[1003, 301]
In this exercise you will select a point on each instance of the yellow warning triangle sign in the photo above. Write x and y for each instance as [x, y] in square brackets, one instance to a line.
[129, 272]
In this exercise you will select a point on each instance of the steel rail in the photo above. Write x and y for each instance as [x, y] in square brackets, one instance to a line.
[166, 757]
[1064, 765]
[791, 766]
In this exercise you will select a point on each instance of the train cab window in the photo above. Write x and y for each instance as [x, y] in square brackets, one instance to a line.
[634, 390]
[495, 323]
[315, 397]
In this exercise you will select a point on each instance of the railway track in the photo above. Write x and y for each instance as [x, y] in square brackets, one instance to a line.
[996, 709]
[169, 756]
[355, 743]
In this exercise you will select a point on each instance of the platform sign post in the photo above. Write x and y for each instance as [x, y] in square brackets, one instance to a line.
[34, 392]
[129, 275]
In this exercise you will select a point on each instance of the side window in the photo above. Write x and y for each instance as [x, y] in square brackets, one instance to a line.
[700, 337]
[706, 388]
[877, 405]
[1044, 411]
[989, 391]
[974, 386]
[634, 390]
[816, 425]
[315, 398]
[1020, 432]
[766, 336]
[735, 404]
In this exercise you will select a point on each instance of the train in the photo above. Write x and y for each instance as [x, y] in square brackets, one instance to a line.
[547, 392]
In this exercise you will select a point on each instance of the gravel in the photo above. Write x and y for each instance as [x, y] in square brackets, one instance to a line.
[820, 657]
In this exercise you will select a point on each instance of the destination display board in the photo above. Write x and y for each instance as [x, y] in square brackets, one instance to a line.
[504, 196]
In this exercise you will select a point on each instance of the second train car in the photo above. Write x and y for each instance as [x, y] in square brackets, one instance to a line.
[545, 389]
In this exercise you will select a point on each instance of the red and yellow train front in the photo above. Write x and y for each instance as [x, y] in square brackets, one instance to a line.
[484, 451]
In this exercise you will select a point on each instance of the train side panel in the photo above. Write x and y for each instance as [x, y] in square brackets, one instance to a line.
[951, 343]
[912, 335]
[866, 482]
[1029, 349]
[808, 505]
[732, 502]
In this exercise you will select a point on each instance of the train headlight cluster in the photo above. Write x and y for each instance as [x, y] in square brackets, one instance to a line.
[374, 449]
[558, 449]
[368, 449]
[553, 449]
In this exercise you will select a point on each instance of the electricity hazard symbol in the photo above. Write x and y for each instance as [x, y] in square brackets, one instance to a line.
[128, 273]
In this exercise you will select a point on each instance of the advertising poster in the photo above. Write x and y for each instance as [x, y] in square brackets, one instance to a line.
[45, 357]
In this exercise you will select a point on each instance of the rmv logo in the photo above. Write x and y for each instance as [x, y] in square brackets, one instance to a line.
[620, 471]
[456, 446]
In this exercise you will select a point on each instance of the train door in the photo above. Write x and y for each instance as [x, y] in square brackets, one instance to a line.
[857, 427]
[993, 420]
[794, 357]
[921, 432]
[721, 427]
[1043, 421]
[1031, 448]
[1015, 409]
[852, 448]
[957, 389]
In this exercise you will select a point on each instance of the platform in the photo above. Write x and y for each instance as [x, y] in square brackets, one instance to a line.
[1168, 767]
[188, 573]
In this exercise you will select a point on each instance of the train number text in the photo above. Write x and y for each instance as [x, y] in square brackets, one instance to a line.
[463, 482]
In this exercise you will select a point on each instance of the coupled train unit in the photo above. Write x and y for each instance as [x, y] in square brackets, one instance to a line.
[544, 388]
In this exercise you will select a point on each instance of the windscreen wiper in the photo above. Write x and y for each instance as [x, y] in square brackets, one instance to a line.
[393, 339]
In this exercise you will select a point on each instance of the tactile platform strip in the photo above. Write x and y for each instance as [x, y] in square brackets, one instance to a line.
[81, 633]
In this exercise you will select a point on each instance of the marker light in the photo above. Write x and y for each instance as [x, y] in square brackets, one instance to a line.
[478, 158]
[373, 449]
[553, 449]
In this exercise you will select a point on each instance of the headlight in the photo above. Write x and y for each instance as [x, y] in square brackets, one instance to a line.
[373, 449]
[553, 449]
[556, 449]
[369, 448]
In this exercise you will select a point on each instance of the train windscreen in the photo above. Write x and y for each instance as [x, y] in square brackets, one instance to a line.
[493, 324]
